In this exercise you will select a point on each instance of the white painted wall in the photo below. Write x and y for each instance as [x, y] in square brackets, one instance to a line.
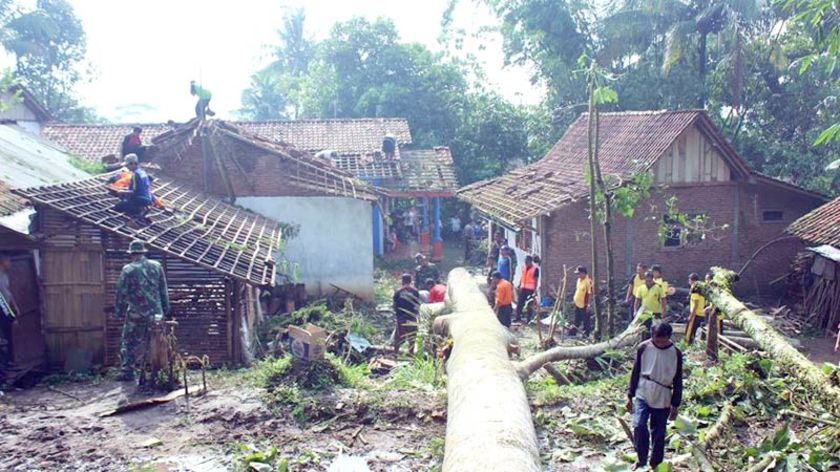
[335, 243]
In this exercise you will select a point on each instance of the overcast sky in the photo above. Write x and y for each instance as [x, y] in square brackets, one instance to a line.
[145, 53]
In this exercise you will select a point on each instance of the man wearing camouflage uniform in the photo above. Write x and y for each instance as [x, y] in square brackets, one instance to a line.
[141, 295]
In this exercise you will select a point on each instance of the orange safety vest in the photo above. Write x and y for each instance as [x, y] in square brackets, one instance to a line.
[124, 182]
[528, 279]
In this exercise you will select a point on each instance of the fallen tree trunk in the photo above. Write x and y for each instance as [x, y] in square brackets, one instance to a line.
[628, 337]
[489, 424]
[719, 293]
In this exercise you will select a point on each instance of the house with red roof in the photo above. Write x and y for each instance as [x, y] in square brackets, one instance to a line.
[543, 208]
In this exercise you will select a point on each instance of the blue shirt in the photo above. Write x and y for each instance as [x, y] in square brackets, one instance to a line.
[503, 266]
[141, 185]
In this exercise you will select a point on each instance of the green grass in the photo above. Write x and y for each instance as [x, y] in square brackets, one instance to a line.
[90, 167]
[421, 373]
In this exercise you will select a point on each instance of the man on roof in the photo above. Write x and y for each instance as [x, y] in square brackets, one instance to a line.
[133, 144]
[202, 106]
[135, 197]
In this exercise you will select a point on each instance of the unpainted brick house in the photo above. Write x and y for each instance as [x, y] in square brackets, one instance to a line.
[543, 207]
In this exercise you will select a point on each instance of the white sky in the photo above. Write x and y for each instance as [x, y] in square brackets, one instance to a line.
[142, 72]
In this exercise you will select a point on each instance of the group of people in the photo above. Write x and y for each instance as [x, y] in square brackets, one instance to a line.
[407, 298]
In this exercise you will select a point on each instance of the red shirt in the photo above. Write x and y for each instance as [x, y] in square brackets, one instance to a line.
[437, 293]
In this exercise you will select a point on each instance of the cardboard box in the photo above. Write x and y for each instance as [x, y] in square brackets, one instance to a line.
[307, 343]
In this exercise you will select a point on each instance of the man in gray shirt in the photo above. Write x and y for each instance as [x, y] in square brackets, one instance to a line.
[656, 386]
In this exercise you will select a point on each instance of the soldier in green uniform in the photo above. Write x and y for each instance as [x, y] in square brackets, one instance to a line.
[141, 295]
[425, 269]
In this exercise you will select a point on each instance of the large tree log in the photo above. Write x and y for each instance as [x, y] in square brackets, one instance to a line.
[628, 337]
[489, 426]
[771, 341]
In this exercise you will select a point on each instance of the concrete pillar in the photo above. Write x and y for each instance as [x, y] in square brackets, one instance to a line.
[424, 226]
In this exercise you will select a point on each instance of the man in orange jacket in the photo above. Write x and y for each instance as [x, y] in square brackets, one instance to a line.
[528, 281]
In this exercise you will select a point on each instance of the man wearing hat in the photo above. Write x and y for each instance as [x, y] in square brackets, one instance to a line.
[137, 196]
[141, 295]
[583, 295]
[425, 270]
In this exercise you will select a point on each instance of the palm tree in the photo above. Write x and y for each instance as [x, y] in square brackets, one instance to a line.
[672, 28]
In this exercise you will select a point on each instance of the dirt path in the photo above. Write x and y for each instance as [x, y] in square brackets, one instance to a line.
[42, 429]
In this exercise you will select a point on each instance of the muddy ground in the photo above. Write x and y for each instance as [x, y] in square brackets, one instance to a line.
[42, 429]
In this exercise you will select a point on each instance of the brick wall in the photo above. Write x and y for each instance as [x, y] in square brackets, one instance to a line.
[567, 234]
[261, 174]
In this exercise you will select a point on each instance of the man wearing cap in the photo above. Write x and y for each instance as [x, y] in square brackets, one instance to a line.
[425, 270]
[583, 295]
[141, 295]
[202, 107]
[137, 196]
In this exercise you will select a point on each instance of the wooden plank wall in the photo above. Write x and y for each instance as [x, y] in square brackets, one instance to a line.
[202, 303]
[71, 270]
[692, 158]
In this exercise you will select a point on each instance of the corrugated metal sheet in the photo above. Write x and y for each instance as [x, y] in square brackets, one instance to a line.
[27, 160]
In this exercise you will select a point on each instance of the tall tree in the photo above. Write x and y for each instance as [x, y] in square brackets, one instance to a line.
[274, 92]
[49, 46]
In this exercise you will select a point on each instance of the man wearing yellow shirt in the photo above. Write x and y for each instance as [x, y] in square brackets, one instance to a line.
[697, 305]
[656, 269]
[650, 298]
[635, 282]
[583, 295]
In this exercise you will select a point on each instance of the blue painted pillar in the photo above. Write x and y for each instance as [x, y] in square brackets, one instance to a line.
[378, 248]
[437, 242]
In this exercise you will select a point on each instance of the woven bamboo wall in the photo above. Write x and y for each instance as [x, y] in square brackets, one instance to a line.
[202, 303]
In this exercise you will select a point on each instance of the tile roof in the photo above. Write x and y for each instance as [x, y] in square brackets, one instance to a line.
[629, 143]
[310, 172]
[820, 226]
[354, 136]
[194, 227]
[417, 171]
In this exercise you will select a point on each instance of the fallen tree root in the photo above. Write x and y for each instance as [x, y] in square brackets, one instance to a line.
[561, 353]
[719, 293]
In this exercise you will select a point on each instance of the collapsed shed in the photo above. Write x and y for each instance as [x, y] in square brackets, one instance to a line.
[815, 280]
[215, 256]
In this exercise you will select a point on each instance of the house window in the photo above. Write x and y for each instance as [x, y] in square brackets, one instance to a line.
[524, 240]
[772, 215]
[682, 232]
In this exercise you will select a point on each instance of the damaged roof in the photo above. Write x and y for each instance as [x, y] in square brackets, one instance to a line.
[347, 136]
[417, 172]
[820, 226]
[297, 168]
[194, 227]
[629, 143]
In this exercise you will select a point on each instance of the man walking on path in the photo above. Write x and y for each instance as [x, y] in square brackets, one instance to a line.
[582, 298]
[504, 298]
[425, 269]
[528, 282]
[202, 106]
[655, 393]
[141, 296]
[406, 309]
